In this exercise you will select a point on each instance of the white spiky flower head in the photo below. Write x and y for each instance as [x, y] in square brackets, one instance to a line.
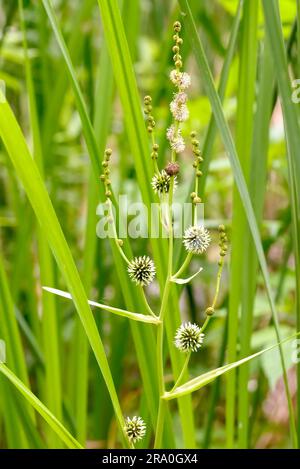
[188, 337]
[196, 239]
[141, 270]
[135, 428]
[180, 79]
[161, 182]
[180, 111]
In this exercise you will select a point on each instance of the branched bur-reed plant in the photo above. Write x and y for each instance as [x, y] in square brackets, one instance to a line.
[141, 269]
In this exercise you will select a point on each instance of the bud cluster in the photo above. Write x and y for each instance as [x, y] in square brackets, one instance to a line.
[148, 112]
[106, 171]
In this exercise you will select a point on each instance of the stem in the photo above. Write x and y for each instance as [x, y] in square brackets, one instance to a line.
[146, 302]
[179, 379]
[219, 275]
[160, 328]
[185, 264]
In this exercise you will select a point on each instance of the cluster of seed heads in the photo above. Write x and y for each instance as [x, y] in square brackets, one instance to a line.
[188, 337]
[196, 239]
[148, 112]
[106, 171]
[135, 428]
[222, 243]
[141, 270]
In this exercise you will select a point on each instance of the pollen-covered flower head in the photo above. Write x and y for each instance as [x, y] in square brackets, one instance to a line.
[196, 239]
[141, 270]
[177, 144]
[171, 133]
[161, 182]
[135, 428]
[180, 111]
[188, 337]
[180, 79]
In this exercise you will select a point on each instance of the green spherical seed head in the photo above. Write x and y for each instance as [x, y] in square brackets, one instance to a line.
[197, 152]
[147, 99]
[178, 63]
[104, 164]
[223, 253]
[177, 26]
[193, 134]
[221, 228]
[195, 142]
[107, 172]
[179, 41]
[108, 193]
[193, 195]
[175, 49]
[199, 173]
[108, 151]
[120, 242]
[108, 182]
[197, 200]
[209, 311]
[195, 164]
[155, 147]
[102, 177]
[149, 128]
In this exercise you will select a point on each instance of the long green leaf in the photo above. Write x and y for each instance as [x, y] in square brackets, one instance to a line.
[201, 381]
[55, 424]
[236, 168]
[120, 312]
[29, 175]
[292, 131]
[49, 314]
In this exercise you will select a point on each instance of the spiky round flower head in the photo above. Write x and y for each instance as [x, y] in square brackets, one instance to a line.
[161, 183]
[141, 270]
[188, 337]
[180, 111]
[135, 428]
[196, 239]
[180, 79]
[177, 144]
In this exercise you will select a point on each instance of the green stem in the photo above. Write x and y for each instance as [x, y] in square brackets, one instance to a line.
[179, 379]
[185, 264]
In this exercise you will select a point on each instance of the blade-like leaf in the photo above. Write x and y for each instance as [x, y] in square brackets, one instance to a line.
[235, 164]
[206, 378]
[111, 309]
[55, 424]
[29, 175]
[183, 281]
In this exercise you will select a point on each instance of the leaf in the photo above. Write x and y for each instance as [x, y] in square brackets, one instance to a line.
[182, 281]
[55, 424]
[30, 177]
[235, 164]
[206, 378]
[111, 309]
